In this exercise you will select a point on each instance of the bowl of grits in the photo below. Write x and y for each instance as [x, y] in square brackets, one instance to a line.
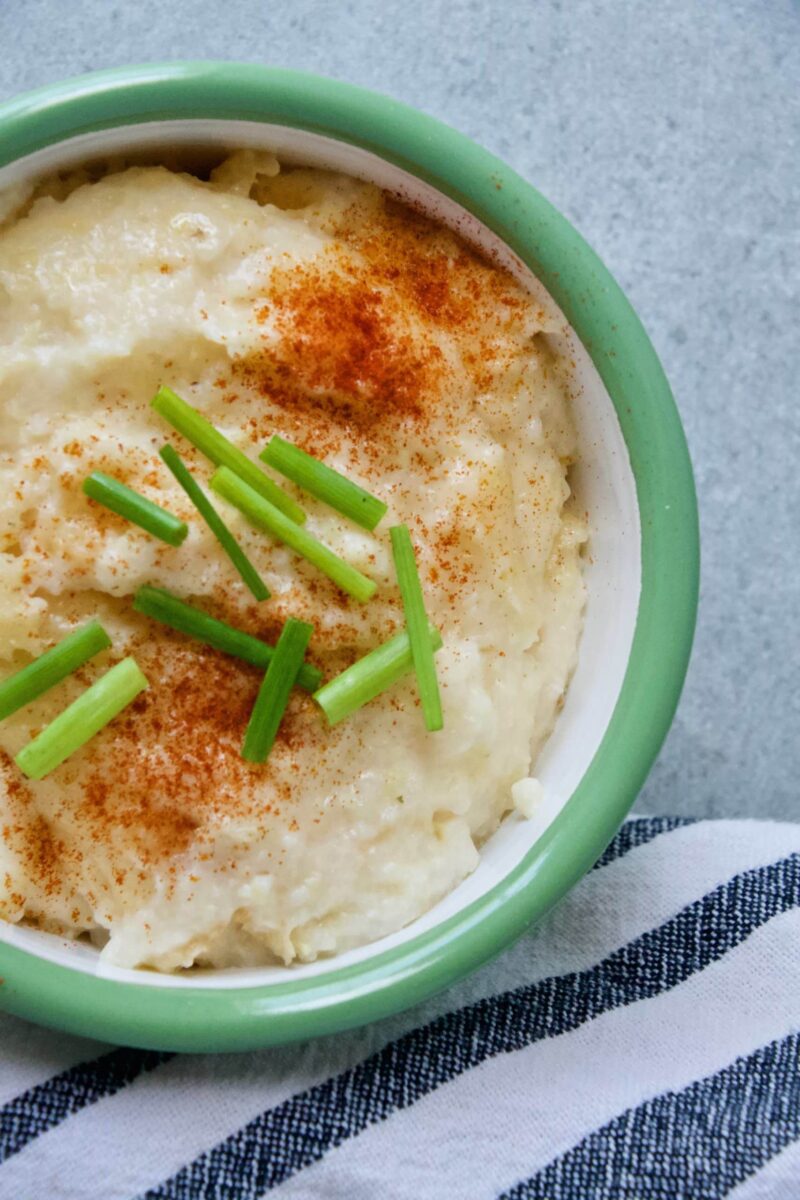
[349, 556]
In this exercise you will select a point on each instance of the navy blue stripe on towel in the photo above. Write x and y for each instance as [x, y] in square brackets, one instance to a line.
[696, 1144]
[48, 1104]
[639, 832]
[300, 1131]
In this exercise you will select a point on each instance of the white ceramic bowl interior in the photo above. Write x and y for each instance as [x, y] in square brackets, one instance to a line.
[603, 481]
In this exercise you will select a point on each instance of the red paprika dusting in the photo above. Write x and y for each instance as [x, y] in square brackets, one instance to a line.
[357, 352]
[28, 834]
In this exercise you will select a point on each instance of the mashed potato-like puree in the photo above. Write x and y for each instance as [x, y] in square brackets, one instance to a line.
[314, 306]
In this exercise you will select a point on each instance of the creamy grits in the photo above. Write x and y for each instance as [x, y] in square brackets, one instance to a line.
[314, 306]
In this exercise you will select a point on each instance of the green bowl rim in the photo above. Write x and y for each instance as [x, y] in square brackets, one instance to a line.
[203, 1018]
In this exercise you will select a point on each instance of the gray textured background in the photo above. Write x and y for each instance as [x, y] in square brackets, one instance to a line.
[670, 135]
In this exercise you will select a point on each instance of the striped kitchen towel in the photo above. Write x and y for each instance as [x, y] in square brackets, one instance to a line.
[642, 1044]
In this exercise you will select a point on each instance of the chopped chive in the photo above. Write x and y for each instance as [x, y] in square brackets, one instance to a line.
[323, 482]
[273, 695]
[51, 667]
[214, 522]
[85, 717]
[263, 514]
[370, 676]
[417, 625]
[169, 610]
[133, 507]
[209, 441]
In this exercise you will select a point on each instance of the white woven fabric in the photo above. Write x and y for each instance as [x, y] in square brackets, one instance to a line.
[642, 1044]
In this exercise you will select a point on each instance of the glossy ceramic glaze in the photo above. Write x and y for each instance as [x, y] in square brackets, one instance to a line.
[635, 480]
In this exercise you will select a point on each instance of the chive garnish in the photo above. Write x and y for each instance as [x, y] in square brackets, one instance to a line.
[417, 626]
[214, 522]
[51, 667]
[169, 610]
[370, 676]
[266, 516]
[209, 441]
[85, 717]
[133, 507]
[273, 695]
[323, 482]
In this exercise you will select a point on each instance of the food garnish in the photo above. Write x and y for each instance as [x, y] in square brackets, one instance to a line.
[323, 482]
[214, 521]
[266, 516]
[84, 718]
[129, 504]
[51, 667]
[169, 610]
[214, 445]
[268, 507]
[417, 626]
[273, 695]
[370, 676]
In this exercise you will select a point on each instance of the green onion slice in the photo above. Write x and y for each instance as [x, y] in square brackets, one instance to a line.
[133, 507]
[51, 667]
[273, 695]
[85, 717]
[214, 522]
[417, 626]
[264, 515]
[169, 610]
[209, 441]
[370, 676]
[323, 482]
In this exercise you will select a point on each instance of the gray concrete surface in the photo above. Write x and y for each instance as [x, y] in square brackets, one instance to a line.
[670, 135]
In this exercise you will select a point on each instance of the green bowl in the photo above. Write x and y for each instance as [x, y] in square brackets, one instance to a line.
[642, 577]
